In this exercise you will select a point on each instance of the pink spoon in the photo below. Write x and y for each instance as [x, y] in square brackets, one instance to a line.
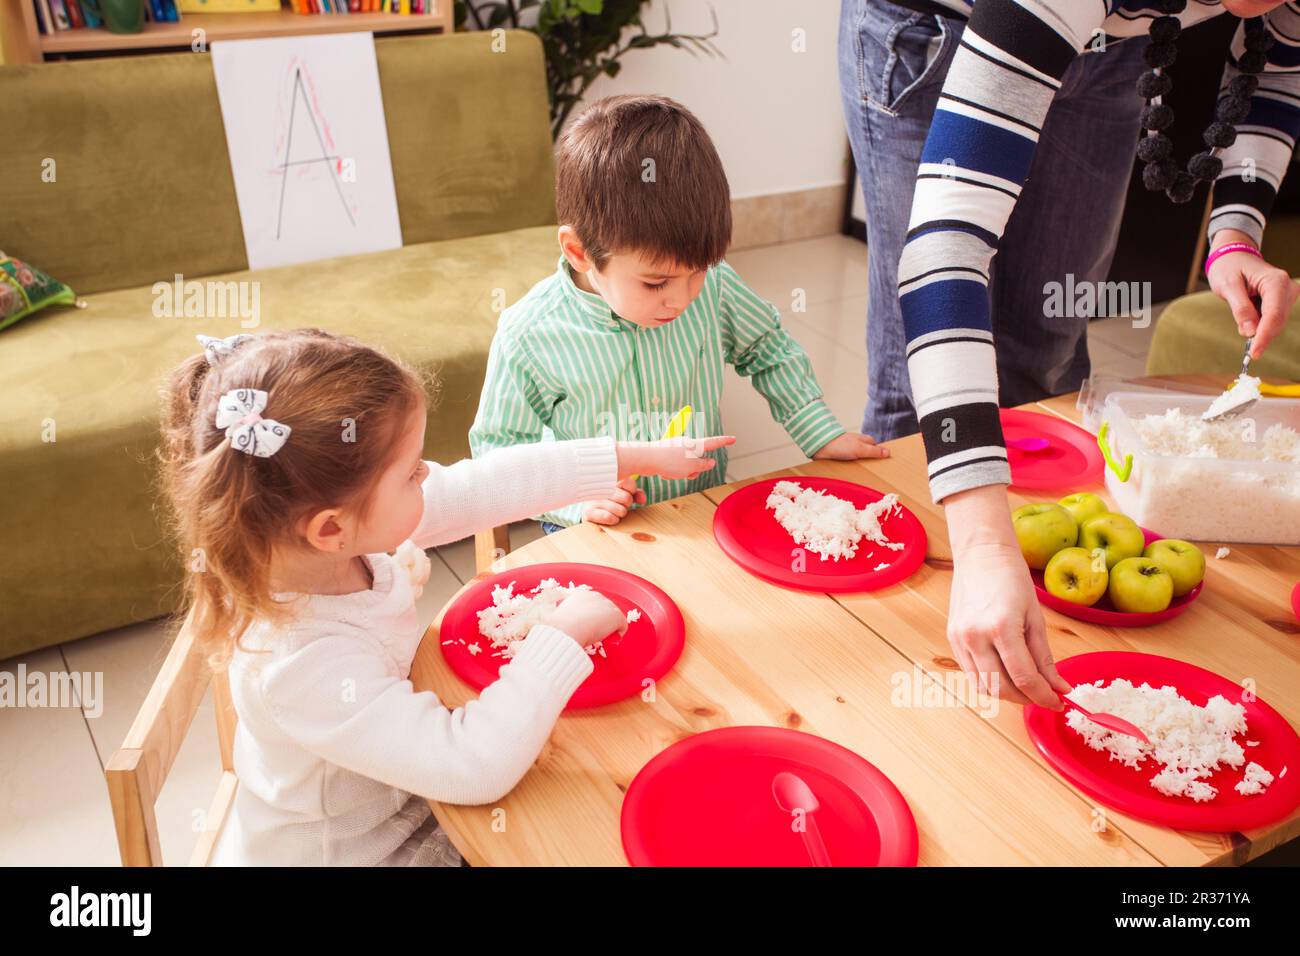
[1029, 444]
[1109, 721]
[793, 794]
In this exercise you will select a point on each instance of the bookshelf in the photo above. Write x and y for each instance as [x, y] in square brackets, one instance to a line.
[24, 43]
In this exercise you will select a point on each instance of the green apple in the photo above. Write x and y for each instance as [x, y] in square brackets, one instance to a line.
[1083, 506]
[1182, 559]
[1077, 575]
[1140, 585]
[1042, 530]
[1117, 535]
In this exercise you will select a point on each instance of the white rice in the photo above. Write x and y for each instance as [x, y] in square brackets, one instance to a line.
[1186, 436]
[511, 616]
[1188, 742]
[1222, 553]
[828, 526]
[1254, 781]
[1244, 390]
[1205, 481]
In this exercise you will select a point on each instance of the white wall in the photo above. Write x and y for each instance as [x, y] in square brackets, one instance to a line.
[773, 113]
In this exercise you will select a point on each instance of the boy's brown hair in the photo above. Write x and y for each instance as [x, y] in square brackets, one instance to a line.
[640, 174]
[346, 404]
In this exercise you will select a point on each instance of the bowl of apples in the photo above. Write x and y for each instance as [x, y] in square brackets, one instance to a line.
[1097, 565]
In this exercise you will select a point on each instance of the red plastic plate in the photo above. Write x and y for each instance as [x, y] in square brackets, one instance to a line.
[1103, 612]
[1129, 790]
[707, 801]
[1072, 461]
[751, 536]
[648, 649]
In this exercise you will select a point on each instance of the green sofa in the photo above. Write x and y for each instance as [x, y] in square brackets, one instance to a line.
[143, 191]
[1196, 333]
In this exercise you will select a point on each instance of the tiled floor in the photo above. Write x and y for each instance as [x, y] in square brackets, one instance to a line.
[53, 804]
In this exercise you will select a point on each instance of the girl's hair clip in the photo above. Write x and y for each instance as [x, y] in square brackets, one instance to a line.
[239, 412]
[215, 349]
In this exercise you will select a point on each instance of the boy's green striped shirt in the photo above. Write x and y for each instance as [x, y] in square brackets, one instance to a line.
[563, 366]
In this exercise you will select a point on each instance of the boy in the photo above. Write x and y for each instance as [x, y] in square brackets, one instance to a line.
[642, 312]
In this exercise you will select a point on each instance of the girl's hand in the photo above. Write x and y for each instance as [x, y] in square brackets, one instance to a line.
[850, 447]
[995, 625]
[1241, 279]
[588, 617]
[674, 458]
[611, 511]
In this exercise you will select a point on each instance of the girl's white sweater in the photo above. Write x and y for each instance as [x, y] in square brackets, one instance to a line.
[335, 753]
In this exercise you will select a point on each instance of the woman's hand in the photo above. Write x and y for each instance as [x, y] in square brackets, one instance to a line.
[1242, 279]
[995, 625]
[672, 458]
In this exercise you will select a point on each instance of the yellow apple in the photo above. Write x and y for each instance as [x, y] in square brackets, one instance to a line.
[1083, 506]
[1042, 530]
[1140, 585]
[1182, 559]
[1117, 535]
[1077, 575]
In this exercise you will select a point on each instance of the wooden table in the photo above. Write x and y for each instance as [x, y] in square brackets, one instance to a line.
[760, 654]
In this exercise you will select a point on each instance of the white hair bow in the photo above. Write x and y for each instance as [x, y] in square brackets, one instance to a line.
[215, 349]
[239, 412]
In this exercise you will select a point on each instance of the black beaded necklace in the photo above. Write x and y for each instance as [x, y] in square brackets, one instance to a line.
[1156, 149]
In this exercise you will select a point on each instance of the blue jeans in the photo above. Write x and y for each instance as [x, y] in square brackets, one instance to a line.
[892, 64]
[549, 528]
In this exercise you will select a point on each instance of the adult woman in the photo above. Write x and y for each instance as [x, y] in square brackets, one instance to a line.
[1014, 131]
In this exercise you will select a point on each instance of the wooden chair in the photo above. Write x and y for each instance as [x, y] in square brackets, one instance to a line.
[490, 545]
[137, 771]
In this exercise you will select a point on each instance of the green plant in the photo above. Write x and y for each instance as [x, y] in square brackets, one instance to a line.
[582, 39]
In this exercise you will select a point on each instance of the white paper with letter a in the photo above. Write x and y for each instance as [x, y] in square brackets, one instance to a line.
[308, 146]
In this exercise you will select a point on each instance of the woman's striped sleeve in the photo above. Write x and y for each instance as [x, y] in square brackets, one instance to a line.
[1254, 165]
[976, 159]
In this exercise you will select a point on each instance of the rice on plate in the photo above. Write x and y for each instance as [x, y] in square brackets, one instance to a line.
[511, 616]
[829, 526]
[1189, 742]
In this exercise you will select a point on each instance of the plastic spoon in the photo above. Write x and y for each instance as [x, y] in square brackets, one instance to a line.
[1279, 391]
[1109, 721]
[1029, 444]
[793, 794]
[1235, 405]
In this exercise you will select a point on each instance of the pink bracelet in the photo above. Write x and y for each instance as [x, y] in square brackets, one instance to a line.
[1225, 249]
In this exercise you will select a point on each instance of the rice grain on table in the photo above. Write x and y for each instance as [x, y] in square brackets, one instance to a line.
[828, 526]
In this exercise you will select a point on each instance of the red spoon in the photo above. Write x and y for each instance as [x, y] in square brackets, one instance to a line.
[1029, 444]
[793, 794]
[1109, 721]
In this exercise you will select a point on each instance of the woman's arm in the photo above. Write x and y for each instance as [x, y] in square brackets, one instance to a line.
[975, 161]
[1253, 167]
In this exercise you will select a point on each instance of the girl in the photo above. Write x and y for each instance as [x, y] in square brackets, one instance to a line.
[293, 463]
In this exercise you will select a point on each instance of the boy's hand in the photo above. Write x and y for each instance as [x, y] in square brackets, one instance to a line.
[611, 511]
[588, 617]
[851, 447]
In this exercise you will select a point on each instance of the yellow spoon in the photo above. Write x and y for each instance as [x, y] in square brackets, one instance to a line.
[1279, 391]
[676, 427]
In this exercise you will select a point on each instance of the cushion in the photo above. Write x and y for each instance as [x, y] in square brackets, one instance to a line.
[24, 289]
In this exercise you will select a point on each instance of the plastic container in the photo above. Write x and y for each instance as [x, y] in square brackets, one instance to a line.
[1224, 499]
